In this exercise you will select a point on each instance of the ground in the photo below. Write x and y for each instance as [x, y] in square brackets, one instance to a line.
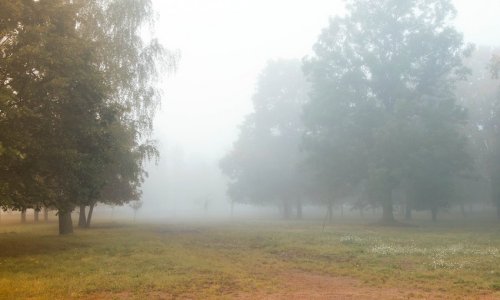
[251, 260]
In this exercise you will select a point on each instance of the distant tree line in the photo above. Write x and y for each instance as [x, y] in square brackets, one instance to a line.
[77, 97]
[392, 108]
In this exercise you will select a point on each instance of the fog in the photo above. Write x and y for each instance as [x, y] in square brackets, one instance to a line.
[224, 45]
[236, 149]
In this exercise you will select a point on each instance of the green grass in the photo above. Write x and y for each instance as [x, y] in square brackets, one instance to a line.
[208, 260]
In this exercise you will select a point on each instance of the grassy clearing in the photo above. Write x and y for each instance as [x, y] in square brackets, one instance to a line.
[225, 260]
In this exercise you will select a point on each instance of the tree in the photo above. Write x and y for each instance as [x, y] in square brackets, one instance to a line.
[263, 164]
[493, 127]
[14, 182]
[131, 67]
[136, 205]
[72, 72]
[382, 96]
[479, 96]
[123, 175]
[54, 95]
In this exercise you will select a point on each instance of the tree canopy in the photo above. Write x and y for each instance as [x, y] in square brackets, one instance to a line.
[383, 111]
[264, 163]
[77, 98]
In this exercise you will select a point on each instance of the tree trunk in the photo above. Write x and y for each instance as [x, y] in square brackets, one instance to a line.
[23, 215]
[387, 212]
[434, 212]
[286, 209]
[65, 222]
[89, 217]
[299, 209]
[408, 212]
[330, 211]
[462, 209]
[205, 206]
[36, 215]
[82, 219]
[45, 214]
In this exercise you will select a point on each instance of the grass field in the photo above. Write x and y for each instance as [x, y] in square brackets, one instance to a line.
[251, 260]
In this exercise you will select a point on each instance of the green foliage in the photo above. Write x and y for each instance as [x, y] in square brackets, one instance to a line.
[77, 99]
[382, 108]
[491, 138]
[263, 164]
[480, 95]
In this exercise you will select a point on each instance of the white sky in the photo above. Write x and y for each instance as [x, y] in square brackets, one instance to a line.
[225, 43]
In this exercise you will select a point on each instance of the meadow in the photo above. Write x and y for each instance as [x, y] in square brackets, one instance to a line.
[252, 260]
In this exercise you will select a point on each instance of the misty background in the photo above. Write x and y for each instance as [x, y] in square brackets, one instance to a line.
[224, 45]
